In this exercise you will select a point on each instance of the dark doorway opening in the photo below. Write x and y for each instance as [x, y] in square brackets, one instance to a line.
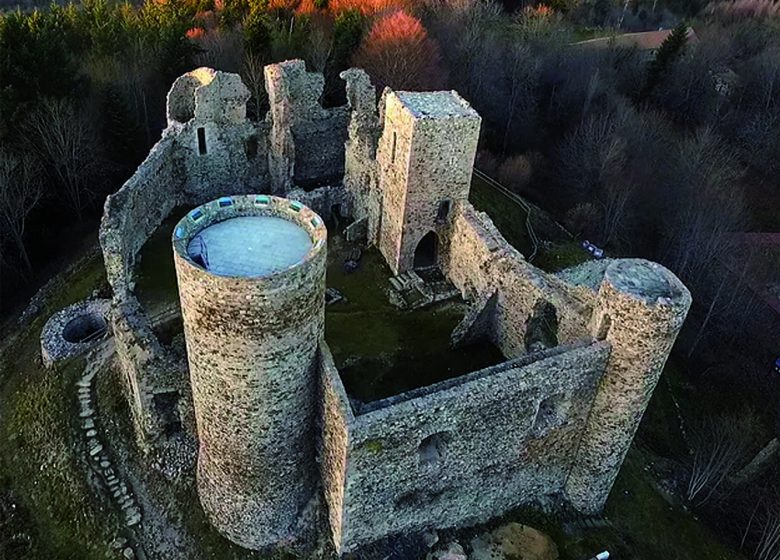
[542, 327]
[426, 253]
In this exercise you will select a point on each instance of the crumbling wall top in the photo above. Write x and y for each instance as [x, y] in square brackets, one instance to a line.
[289, 84]
[361, 93]
[207, 94]
[436, 104]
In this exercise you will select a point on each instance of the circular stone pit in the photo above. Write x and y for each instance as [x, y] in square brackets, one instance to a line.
[74, 330]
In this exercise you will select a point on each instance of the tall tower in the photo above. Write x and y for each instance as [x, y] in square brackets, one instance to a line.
[251, 273]
[425, 157]
[639, 310]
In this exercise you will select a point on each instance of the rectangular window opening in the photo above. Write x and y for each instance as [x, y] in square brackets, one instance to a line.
[392, 154]
[444, 211]
[202, 141]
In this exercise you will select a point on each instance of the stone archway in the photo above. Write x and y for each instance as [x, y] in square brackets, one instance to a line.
[426, 253]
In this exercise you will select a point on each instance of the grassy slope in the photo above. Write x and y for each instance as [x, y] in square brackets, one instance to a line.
[38, 435]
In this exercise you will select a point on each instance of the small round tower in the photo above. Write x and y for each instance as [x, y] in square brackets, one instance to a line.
[251, 274]
[640, 308]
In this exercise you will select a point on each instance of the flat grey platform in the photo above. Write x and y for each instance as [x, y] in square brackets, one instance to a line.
[250, 246]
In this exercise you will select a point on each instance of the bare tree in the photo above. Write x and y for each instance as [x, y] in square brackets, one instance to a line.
[397, 52]
[222, 49]
[467, 28]
[704, 205]
[719, 446]
[319, 43]
[522, 75]
[67, 146]
[254, 78]
[768, 547]
[20, 191]
[593, 162]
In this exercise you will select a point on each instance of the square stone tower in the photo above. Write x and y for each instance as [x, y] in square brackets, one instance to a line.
[425, 157]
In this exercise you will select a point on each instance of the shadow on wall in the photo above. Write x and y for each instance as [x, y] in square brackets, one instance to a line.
[542, 327]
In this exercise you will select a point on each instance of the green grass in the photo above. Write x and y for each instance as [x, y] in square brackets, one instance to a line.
[644, 524]
[557, 256]
[508, 216]
[381, 350]
[40, 461]
[654, 527]
[156, 285]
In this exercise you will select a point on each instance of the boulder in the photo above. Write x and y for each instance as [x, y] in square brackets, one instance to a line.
[514, 541]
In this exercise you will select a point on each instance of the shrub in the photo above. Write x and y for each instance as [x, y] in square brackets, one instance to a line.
[515, 173]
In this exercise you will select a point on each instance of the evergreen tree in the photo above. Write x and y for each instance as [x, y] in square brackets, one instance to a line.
[669, 51]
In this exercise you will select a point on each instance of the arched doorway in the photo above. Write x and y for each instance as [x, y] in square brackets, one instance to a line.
[426, 252]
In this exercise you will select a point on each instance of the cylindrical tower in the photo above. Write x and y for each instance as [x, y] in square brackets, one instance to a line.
[639, 310]
[251, 273]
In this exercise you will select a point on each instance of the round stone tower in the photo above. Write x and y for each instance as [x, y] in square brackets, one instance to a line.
[640, 308]
[251, 273]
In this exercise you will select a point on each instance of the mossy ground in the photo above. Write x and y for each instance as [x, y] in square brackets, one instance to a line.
[41, 460]
[553, 257]
[557, 251]
[507, 215]
[156, 286]
[382, 350]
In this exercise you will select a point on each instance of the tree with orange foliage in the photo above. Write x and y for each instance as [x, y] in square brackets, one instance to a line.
[398, 53]
[366, 7]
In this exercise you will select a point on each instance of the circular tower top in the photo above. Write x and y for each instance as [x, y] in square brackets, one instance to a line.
[646, 281]
[249, 236]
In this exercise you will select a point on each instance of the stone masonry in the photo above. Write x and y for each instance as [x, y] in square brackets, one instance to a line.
[425, 155]
[252, 350]
[278, 434]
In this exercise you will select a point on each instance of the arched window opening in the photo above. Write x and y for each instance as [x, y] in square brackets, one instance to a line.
[432, 448]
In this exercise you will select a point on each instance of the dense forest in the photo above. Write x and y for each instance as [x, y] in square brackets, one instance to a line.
[669, 154]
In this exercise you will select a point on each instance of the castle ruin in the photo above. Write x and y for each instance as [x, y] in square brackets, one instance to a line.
[277, 432]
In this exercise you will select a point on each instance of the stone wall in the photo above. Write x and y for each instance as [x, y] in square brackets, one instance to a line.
[465, 450]
[307, 140]
[148, 369]
[336, 419]
[425, 157]
[252, 345]
[360, 166]
[136, 210]
[480, 262]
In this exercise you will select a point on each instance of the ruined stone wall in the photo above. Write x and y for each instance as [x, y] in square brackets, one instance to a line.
[480, 262]
[136, 210]
[252, 346]
[221, 150]
[336, 419]
[323, 200]
[640, 309]
[360, 166]
[468, 449]
[209, 149]
[148, 368]
[307, 140]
